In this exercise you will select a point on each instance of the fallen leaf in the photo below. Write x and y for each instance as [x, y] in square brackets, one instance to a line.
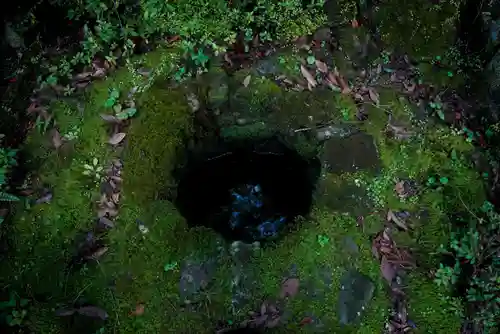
[115, 198]
[107, 211]
[374, 96]
[387, 269]
[82, 76]
[246, 82]
[99, 73]
[46, 198]
[309, 77]
[290, 287]
[341, 82]
[139, 310]
[331, 77]
[57, 140]
[105, 223]
[392, 217]
[117, 138]
[110, 118]
[97, 254]
[322, 67]
[263, 308]
[65, 312]
[400, 188]
[93, 312]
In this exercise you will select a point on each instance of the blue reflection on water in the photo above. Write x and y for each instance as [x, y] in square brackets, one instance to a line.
[246, 212]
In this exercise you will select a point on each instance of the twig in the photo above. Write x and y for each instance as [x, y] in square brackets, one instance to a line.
[465, 205]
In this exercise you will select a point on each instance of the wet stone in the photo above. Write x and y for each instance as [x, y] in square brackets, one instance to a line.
[356, 291]
[352, 154]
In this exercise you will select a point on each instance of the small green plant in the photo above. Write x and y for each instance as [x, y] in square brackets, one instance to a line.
[72, 134]
[7, 161]
[112, 99]
[13, 311]
[437, 108]
[476, 247]
[93, 170]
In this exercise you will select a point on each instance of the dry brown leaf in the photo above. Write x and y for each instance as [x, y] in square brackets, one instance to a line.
[93, 312]
[385, 250]
[97, 254]
[139, 310]
[322, 67]
[117, 138]
[374, 96]
[342, 83]
[99, 73]
[116, 178]
[102, 212]
[332, 78]
[290, 287]
[399, 188]
[82, 76]
[309, 77]
[110, 118]
[116, 198]
[263, 308]
[391, 216]
[246, 82]
[388, 271]
[57, 140]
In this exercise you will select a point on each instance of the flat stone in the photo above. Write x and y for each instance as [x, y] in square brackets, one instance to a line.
[351, 154]
[344, 197]
[356, 291]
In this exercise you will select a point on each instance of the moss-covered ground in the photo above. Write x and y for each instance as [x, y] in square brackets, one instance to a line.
[133, 270]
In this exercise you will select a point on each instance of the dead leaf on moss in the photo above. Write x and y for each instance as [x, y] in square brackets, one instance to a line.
[374, 96]
[387, 269]
[105, 223]
[110, 118]
[97, 254]
[246, 82]
[93, 312]
[345, 89]
[290, 287]
[57, 139]
[102, 212]
[117, 138]
[391, 216]
[308, 76]
[322, 67]
[65, 312]
[139, 310]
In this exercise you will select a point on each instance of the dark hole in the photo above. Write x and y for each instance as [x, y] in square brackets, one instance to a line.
[247, 190]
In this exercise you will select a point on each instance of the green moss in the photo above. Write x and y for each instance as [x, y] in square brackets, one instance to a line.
[156, 137]
[303, 249]
[420, 28]
[430, 308]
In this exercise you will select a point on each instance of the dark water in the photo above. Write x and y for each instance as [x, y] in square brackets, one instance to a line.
[247, 190]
